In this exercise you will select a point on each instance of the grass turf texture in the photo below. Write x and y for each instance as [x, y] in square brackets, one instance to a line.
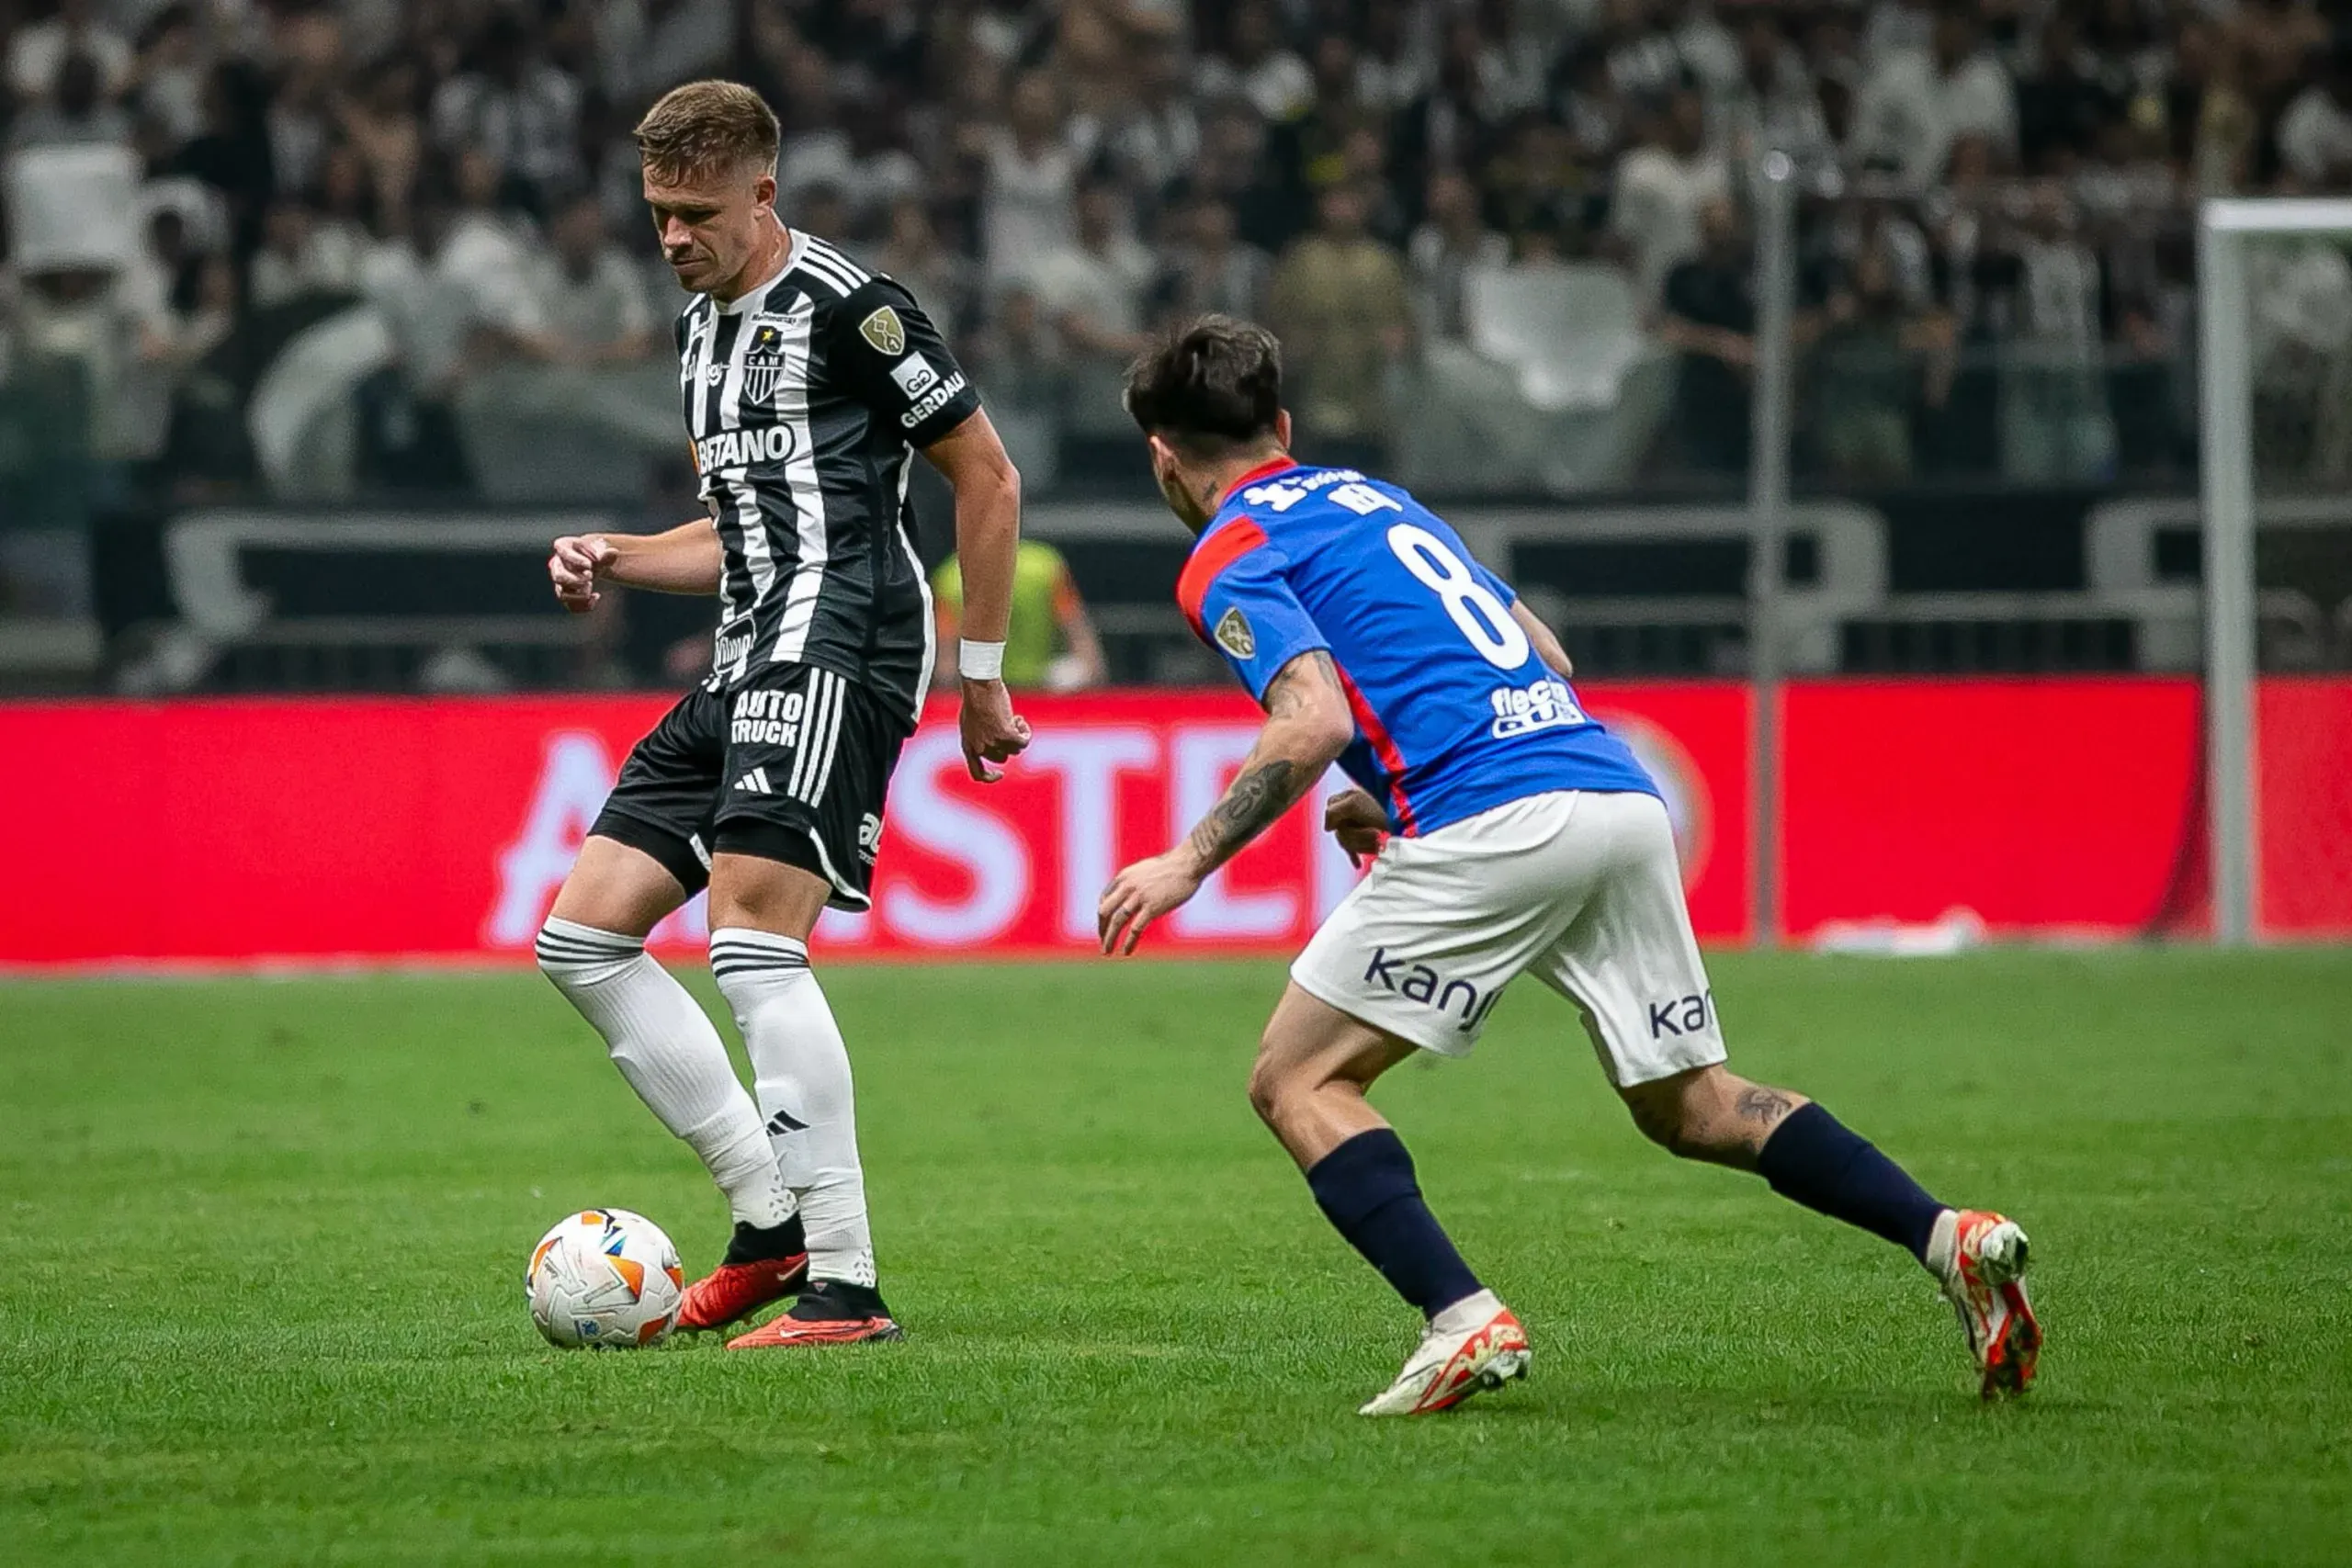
[264, 1243]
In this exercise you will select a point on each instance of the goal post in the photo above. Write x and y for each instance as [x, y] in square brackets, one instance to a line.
[2227, 231]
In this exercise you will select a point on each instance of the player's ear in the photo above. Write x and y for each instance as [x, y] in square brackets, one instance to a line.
[763, 191]
[1282, 428]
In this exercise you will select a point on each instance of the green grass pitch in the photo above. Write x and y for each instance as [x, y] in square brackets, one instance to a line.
[260, 1292]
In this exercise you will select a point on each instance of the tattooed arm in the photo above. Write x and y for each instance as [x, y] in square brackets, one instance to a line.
[1307, 726]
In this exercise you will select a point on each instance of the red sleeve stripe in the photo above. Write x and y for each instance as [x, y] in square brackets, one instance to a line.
[1384, 746]
[1220, 550]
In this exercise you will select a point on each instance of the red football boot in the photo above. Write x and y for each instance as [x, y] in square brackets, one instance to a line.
[829, 1313]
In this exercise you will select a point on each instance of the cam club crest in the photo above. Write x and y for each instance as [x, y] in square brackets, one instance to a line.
[885, 331]
[1234, 636]
[763, 362]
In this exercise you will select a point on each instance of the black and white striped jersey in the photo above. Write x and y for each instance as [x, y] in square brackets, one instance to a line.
[805, 399]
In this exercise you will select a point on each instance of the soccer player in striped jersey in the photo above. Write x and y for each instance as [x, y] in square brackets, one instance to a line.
[806, 383]
[1509, 833]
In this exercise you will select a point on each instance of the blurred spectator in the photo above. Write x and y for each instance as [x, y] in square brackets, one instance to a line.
[590, 300]
[1770, 102]
[1027, 209]
[816, 148]
[1396, 63]
[1641, 55]
[1709, 317]
[1867, 375]
[381, 121]
[1451, 243]
[1049, 644]
[912, 253]
[76, 113]
[2315, 131]
[1232, 170]
[2064, 102]
[1312, 149]
[1447, 127]
[1019, 357]
[296, 122]
[167, 79]
[1255, 63]
[2054, 423]
[1662, 184]
[344, 214]
[1211, 270]
[1339, 303]
[485, 257]
[1588, 103]
[1916, 103]
[514, 105]
[38, 53]
[1512, 62]
[297, 257]
[1094, 289]
[2275, 40]
[1152, 134]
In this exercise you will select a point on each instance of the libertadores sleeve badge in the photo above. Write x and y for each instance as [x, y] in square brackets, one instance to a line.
[1234, 636]
[885, 331]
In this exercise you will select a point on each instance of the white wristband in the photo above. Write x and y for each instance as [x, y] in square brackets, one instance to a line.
[979, 660]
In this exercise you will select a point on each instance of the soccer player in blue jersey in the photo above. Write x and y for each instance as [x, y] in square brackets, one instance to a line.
[1509, 834]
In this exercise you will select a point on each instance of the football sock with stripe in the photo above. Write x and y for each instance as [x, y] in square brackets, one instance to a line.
[1367, 1189]
[800, 1073]
[667, 1048]
[1814, 1159]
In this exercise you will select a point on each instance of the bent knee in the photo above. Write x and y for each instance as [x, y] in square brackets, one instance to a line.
[1672, 1112]
[571, 954]
[1269, 1087]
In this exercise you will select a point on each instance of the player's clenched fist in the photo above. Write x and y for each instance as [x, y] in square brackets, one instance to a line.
[993, 731]
[1356, 819]
[578, 561]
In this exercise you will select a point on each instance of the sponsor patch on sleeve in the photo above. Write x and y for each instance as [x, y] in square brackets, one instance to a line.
[914, 375]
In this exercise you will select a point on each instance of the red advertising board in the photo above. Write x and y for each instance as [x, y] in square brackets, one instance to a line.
[310, 830]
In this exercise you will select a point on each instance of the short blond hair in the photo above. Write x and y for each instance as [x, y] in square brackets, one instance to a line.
[707, 127]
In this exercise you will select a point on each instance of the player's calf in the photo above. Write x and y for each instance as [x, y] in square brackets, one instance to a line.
[1977, 1258]
[665, 1047]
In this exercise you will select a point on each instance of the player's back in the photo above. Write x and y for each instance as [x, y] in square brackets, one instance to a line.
[1456, 712]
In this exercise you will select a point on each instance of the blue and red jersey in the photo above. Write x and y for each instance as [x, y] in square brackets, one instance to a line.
[1455, 711]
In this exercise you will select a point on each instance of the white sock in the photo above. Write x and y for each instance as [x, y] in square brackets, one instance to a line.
[668, 1050]
[1943, 1245]
[801, 1071]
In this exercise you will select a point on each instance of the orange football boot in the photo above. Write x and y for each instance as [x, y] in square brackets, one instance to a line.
[1986, 1284]
[828, 1313]
[735, 1291]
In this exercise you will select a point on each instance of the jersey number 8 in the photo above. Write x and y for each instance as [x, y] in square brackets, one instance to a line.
[1485, 620]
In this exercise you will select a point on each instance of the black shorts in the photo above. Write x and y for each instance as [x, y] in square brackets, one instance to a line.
[792, 766]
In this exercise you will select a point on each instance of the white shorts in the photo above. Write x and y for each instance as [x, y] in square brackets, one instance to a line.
[1580, 888]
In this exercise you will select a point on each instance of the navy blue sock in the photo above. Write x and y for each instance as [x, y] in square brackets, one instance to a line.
[1814, 1159]
[1367, 1191]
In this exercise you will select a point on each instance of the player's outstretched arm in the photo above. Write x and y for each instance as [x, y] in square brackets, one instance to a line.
[1307, 726]
[1547, 647]
[987, 531]
[685, 559]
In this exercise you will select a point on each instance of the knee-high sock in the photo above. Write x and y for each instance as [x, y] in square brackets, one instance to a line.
[1371, 1195]
[1813, 1158]
[668, 1050]
[800, 1072]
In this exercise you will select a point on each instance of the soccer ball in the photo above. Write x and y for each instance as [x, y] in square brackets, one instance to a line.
[605, 1279]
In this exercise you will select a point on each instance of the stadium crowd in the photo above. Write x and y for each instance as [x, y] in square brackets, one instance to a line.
[2003, 181]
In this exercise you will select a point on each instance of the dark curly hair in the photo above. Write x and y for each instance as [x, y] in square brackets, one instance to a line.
[1211, 385]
